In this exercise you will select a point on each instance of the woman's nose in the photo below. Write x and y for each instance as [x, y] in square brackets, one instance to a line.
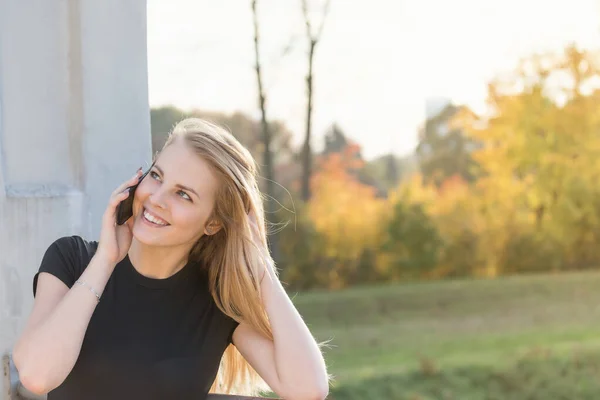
[157, 198]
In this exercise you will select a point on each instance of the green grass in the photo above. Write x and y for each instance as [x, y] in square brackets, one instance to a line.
[534, 377]
[389, 333]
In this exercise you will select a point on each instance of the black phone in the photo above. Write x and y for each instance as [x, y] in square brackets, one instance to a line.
[125, 208]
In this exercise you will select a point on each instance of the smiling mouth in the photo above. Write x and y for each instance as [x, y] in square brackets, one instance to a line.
[152, 219]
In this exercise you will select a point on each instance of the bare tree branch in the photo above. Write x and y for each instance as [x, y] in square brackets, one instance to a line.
[306, 19]
[325, 12]
[315, 36]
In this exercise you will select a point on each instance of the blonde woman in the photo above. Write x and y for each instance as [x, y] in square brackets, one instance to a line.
[181, 300]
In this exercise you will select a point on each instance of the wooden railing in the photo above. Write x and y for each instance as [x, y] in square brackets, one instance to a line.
[16, 391]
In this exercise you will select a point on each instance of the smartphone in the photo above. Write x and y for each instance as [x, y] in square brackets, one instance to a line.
[125, 208]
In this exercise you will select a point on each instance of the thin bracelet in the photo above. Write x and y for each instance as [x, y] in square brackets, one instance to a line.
[82, 283]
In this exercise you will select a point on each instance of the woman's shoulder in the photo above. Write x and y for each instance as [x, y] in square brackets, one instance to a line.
[74, 248]
[75, 243]
[66, 258]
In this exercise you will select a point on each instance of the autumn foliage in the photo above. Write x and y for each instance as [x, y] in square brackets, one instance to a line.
[345, 213]
[531, 203]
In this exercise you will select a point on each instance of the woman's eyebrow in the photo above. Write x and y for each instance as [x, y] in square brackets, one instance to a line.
[178, 185]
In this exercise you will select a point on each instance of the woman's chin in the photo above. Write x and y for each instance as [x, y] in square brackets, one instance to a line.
[148, 234]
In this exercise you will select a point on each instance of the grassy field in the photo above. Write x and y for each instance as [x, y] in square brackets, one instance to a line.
[511, 338]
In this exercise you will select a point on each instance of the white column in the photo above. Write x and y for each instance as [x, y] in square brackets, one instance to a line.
[116, 115]
[74, 123]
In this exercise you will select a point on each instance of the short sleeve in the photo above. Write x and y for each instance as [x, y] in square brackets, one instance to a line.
[234, 325]
[63, 259]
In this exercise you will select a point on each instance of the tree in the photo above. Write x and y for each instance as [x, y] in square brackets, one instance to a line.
[313, 37]
[335, 140]
[266, 134]
[345, 212]
[392, 171]
[540, 153]
[413, 242]
[247, 130]
[162, 120]
[388, 170]
[444, 150]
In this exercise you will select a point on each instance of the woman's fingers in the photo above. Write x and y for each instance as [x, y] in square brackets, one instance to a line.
[131, 182]
[119, 197]
[120, 194]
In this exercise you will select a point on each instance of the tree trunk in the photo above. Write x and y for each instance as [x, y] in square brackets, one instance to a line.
[270, 206]
[313, 38]
[307, 153]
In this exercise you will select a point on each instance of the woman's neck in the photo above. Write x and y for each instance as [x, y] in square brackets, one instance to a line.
[157, 262]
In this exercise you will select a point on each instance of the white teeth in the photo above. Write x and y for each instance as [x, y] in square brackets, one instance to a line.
[153, 219]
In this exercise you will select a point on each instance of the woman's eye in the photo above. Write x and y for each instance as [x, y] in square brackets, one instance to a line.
[184, 195]
[180, 193]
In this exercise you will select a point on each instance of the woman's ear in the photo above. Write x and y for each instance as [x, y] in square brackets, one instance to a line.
[212, 228]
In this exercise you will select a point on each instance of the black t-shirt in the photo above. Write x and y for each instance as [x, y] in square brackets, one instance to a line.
[147, 338]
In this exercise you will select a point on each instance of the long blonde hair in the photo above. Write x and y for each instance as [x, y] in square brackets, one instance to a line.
[233, 260]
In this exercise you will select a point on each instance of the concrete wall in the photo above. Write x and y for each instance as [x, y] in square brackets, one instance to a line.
[74, 124]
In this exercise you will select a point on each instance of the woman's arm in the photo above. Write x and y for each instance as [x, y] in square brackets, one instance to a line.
[291, 364]
[49, 346]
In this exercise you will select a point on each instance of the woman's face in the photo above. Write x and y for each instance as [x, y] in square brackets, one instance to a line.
[172, 204]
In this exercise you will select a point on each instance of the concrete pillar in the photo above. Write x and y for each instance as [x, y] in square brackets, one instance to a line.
[74, 123]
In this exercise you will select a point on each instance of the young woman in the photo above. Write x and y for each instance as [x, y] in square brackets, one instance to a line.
[180, 300]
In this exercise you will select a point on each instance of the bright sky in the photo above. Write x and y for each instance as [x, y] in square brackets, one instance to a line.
[377, 63]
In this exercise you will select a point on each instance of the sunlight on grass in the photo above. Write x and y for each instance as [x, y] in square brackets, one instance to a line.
[399, 330]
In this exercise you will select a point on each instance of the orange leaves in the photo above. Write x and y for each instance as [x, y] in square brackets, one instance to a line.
[342, 208]
[348, 161]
